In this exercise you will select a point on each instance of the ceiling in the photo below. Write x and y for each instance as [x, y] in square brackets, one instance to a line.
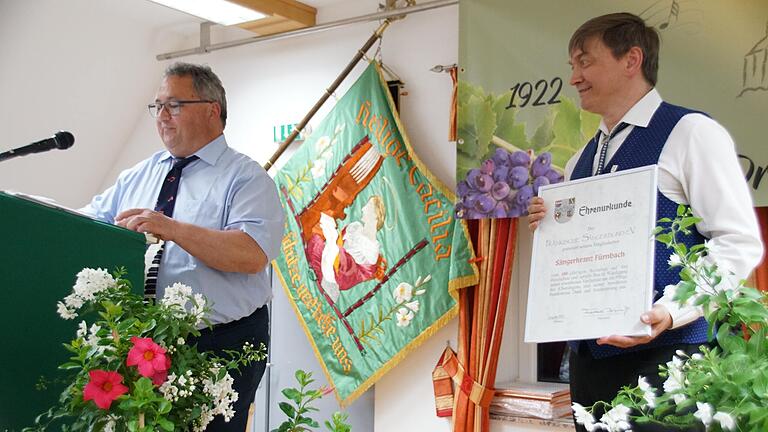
[162, 17]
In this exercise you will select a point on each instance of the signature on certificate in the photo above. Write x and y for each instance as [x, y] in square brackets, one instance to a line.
[603, 312]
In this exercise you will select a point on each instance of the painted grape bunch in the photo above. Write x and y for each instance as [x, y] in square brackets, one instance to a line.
[504, 184]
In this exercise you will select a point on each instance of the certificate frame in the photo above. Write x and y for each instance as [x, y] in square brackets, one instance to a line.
[592, 263]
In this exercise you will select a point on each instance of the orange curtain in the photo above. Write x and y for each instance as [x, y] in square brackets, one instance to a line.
[760, 274]
[482, 311]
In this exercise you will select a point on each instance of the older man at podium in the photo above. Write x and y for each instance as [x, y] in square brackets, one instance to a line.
[217, 212]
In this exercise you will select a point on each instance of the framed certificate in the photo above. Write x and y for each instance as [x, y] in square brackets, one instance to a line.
[592, 260]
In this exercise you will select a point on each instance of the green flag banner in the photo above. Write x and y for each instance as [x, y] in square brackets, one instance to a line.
[372, 256]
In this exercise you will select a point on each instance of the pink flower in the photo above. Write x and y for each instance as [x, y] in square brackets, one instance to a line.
[103, 388]
[150, 358]
[161, 375]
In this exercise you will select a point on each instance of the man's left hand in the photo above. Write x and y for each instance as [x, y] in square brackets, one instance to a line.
[147, 221]
[658, 318]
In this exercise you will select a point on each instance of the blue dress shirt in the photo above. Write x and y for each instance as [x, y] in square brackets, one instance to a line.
[223, 190]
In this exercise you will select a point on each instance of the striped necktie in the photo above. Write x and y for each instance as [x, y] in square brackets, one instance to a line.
[604, 146]
[166, 201]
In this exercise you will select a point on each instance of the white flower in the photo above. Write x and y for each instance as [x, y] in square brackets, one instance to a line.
[222, 395]
[403, 292]
[176, 298]
[82, 329]
[650, 399]
[704, 413]
[65, 312]
[669, 291]
[581, 415]
[322, 143]
[73, 301]
[90, 282]
[404, 317]
[177, 294]
[696, 356]
[109, 426]
[93, 340]
[674, 382]
[725, 419]
[617, 419]
[318, 168]
[642, 383]
[679, 398]
[675, 363]
[648, 392]
[674, 260]
[414, 305]
[675, 377]
[180, 341]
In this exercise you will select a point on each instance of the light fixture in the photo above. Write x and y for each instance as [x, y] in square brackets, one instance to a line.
[219, 11]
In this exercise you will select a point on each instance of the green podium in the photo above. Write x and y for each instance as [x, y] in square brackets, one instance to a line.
[43, 249]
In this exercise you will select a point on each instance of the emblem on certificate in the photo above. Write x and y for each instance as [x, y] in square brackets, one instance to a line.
[564, 209]
[592, 261]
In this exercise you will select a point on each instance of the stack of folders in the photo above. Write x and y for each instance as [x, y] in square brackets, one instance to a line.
[540, 400]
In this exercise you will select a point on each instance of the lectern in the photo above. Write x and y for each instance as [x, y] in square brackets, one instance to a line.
[42, 248]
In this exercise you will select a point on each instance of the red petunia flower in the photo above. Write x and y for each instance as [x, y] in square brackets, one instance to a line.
[150, 358]
[103, 388]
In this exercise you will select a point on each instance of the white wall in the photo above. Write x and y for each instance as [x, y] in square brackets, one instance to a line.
[86, 66]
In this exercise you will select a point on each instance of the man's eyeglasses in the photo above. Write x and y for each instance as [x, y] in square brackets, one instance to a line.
[173, 107]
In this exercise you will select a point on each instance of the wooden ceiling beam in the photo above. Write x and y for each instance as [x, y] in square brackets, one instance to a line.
[300, 14]
[272, 25]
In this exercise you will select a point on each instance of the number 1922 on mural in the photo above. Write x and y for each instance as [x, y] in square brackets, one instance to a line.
[543, 93]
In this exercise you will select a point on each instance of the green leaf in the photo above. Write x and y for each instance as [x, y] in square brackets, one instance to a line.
[544, 133]
[506, 128]
[589, 124]
[70, 365]
[165, 424]
[292, 394]
[164, 407]
[476, 120]
[288, 409]
[464, 163]
[664, 238]
[568, 138]
[307, 421]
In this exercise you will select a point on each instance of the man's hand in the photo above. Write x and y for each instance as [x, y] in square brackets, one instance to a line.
[224, 250]
[148, 221]
[658, 318]
[536, 212]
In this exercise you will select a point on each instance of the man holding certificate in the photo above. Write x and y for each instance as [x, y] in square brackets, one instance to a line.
[615, 61]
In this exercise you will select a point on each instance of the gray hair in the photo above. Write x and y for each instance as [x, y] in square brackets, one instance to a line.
[207, 85]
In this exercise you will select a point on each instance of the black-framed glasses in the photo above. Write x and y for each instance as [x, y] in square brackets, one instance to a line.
[173, 106]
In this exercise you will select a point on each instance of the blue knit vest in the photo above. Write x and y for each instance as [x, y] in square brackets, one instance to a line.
[641, 148]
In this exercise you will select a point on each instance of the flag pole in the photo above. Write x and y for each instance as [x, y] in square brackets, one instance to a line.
[328, 92]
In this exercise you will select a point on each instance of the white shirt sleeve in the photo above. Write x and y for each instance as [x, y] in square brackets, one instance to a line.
[699, 167]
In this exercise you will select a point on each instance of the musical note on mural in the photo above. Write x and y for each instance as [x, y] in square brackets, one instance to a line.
[684, 17]
[674, 11]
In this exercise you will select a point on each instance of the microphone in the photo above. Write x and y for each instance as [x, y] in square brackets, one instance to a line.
[61, 140]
